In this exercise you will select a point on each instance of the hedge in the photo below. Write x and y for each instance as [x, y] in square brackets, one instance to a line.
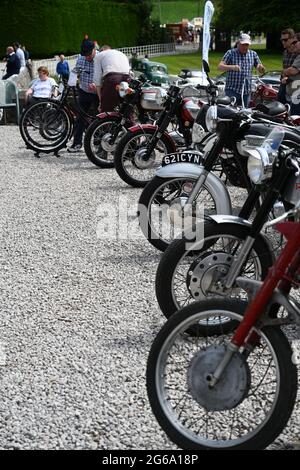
[50, 27]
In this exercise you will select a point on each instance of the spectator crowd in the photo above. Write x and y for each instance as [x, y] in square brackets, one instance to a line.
[99, 69]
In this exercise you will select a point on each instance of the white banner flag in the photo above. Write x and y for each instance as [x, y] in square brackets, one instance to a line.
[208, 14]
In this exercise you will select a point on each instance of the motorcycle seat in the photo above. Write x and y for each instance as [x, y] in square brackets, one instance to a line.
[273, 108]
[226, 100]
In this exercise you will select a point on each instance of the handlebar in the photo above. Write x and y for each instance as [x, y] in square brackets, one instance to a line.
[294, 211]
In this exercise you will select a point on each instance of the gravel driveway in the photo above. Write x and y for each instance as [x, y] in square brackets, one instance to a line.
[78, 313]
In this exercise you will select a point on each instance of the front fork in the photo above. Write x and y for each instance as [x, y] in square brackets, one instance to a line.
[161, 127]
[256, 227]
[119, 126]
[209, 161]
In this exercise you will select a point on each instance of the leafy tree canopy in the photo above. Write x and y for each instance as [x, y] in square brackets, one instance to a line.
[257, 15]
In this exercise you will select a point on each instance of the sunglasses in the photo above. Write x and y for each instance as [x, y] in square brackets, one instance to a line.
[293, 43]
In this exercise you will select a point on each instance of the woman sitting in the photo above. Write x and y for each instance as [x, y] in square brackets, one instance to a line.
[42, 87]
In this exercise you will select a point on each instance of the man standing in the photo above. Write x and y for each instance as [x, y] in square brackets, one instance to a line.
[239, 62]
[111, 68]
[87, 98]
[287, 36]
[20, 54]
[62, 68]
[291, 77]
[13, 64]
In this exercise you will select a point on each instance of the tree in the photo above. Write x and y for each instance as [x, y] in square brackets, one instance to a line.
[269, 17]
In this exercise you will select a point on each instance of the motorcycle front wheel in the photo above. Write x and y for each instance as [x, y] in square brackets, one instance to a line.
[97, 141]
[45, 126]
[249, 406]
[190, 271]
[161, 218]
[132, 163]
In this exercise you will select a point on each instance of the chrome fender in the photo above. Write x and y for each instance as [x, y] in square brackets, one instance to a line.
[213, 184]
[228, 219]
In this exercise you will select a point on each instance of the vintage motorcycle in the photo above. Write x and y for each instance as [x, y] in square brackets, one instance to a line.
[237, 390]
[187, 180]
[140, 151]
[206, 262]
[102, 136]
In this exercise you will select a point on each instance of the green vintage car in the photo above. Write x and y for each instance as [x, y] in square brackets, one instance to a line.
[156, 72]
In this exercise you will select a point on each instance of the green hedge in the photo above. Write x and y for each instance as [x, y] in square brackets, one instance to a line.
[49, 27]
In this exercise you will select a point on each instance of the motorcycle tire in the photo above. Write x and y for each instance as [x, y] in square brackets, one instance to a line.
[183, 404]
[169, 273]
[151, 199]
[130, 167]
[99, 151]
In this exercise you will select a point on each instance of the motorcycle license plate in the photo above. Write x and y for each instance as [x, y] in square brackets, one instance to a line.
[182, 157]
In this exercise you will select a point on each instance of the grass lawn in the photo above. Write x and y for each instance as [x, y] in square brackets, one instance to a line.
[193, 61]
[175, 11]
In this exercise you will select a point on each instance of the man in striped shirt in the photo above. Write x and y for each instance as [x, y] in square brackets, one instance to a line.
[87, 97]
[239, 62]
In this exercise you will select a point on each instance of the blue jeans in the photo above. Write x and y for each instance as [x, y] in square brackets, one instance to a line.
[86, 101]
[238, 96]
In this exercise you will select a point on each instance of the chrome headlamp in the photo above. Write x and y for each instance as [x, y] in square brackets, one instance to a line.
[123, 88]
[261, 159]
[160, 96]
[260, 164]
[211, 118]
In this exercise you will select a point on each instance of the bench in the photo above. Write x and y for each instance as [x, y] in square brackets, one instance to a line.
[9, 97]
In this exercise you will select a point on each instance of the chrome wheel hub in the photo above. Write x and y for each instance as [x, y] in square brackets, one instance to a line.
[106, 145]
[232, 387]
[205, 274]
[140, 159]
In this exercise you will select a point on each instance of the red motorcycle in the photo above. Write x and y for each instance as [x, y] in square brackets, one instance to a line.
[105, 131]
[232, 390]
[262, 93]
[140, 151]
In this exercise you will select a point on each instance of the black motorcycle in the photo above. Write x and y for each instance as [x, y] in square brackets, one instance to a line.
[188, 179]
[193, 269]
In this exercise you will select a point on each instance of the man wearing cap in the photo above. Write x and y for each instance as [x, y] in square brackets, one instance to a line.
[87, 97]
[239, 62]
[111, 68]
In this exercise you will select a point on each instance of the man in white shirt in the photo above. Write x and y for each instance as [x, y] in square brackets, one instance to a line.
[110, 68]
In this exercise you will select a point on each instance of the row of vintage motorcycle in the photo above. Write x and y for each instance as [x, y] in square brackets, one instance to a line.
[221, 372]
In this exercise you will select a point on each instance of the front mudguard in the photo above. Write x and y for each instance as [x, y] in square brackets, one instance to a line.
[230, 219]
[213, 184]
[153, 128]
[108, 114]
[234, 219]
